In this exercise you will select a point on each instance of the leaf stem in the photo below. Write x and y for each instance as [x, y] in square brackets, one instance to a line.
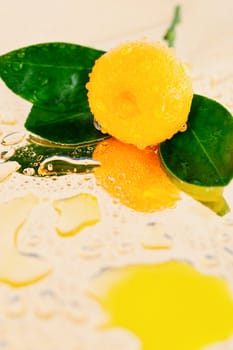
[170, 34]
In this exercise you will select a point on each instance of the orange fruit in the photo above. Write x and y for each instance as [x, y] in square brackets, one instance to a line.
[134, 176]
[140, 93]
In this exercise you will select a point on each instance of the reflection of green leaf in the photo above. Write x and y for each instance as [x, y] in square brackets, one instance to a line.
[51, 75]
[200, 160]
[32, 155]
[63, 128]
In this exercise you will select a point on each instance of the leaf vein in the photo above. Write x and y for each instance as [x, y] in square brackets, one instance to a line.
[46, 65]
[205, 152]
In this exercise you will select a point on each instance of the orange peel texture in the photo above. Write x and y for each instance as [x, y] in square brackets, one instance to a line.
[134, 176]
[140, 93]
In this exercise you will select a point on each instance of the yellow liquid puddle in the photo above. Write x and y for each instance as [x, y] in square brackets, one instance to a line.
[18, 269]
[168, 306]
[76, 213]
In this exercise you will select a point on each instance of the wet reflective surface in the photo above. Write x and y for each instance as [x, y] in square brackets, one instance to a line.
[56, 311]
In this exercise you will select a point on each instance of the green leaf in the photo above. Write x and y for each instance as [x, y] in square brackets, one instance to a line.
[65, 127]
[170, 35]
[203, 154]
[51, 75]
[200, 160]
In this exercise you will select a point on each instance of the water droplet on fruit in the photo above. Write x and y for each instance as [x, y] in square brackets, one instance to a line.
[183, 128]
[97, 125]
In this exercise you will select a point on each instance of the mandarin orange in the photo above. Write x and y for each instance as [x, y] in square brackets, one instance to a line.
[140, 93]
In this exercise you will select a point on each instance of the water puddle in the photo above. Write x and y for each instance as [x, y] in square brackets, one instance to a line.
[16, 268]
[76, 213]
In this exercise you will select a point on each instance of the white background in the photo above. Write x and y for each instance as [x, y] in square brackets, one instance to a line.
[207, 25]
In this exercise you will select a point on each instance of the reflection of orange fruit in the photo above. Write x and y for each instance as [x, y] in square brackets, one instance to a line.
[140, 93]
[134, 176]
